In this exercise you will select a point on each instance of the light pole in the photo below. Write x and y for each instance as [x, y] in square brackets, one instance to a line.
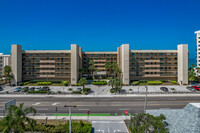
[70, 106]
[145, 104]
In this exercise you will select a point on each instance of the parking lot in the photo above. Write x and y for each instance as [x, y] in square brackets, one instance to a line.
[104, 90]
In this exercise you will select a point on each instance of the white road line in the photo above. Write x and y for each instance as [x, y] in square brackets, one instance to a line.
[124, 109]
[42, 109]
[83, 109]
[36, 103]
[55, 103]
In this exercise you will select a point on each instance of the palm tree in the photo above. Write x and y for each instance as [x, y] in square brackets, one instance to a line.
[108, 67]
[198, 73]
[92, 68]
[82, 70]
[7, 73]
[111, 83]
[17, 118]
[83, 82]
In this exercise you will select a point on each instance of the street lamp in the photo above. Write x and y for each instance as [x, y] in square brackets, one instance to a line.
[70, 106]
[145, 104]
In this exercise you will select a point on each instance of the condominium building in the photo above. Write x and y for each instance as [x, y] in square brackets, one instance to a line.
[198, 47]
[4, 61]
[135, 64]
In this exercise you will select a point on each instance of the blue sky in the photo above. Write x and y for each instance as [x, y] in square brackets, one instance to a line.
[98, 25]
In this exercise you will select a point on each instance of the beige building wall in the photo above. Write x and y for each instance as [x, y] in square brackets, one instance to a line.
[75, 60]
[16, 63]
[182, 64]
[125, 63]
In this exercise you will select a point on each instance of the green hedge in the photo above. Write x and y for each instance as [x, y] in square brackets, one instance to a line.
[111, 91]
[77, 92]
[38, 92]
[25, 83]
[99, 82]
[65, 83]
[44, 83]
[53, 81]
[173, 82]
[135, 82]
[87, 89]
[155, 82]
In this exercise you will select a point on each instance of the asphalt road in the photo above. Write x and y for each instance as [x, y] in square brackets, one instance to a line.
[112, 105]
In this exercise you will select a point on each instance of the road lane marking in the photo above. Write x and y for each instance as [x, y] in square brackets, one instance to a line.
[124, 109]
[55, 103]
[83, 109]
[36, 103]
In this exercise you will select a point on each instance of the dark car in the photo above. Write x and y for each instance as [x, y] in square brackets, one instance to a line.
[32, 89]
[165, 89]
[190, 88]
[18, 89]
[25, 89]
[79, 89]
[1, 88]
[45, 88]
[196, 88]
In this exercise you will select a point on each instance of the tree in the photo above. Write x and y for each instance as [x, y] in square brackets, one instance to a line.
[108, 67]
[92, 68]
[17, 118]
[192, 75]
[82, 70]
[141, 123]
[7, 73]
[83, 82]
[115, 84]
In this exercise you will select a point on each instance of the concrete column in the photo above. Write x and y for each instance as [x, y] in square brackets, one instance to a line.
[182, 64]
[74, 63]
[124, 51]
[16, 63]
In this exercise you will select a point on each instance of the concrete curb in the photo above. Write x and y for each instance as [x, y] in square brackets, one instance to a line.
[80, 117]
[78, 96]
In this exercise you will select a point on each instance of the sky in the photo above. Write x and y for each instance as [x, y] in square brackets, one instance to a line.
[98, 25]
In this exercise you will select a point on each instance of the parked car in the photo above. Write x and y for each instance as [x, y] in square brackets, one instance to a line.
[165, 89]
[191, 88]
[18, 89]
[45, 88]
[196, 88]
[38, 89]
[1, 89]
[32, 89]
[25, 89]
[79, 89]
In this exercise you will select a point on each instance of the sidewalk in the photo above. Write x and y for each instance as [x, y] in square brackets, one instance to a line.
[81, 117]
[78, 96]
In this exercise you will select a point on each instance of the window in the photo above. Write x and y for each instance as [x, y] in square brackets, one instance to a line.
[168, 53]
[147, 53]
[161, 53]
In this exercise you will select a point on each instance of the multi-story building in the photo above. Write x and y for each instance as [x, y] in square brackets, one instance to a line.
[4, 61]
[135, 64]
[198, 47]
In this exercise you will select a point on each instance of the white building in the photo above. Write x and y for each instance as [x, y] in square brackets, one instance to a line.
[198, 47]
[4, 61]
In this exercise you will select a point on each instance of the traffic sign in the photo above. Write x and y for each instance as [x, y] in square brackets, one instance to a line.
[11, 102]
[88, 112]
[126, 112]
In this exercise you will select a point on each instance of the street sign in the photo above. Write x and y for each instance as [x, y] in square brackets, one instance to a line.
[11, 102]
[88, 112]
[126, 112]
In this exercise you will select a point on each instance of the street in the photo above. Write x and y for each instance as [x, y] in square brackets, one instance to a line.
[46, 106]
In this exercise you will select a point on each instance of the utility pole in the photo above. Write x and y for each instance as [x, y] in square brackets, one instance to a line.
[145, 104]
[70, 106]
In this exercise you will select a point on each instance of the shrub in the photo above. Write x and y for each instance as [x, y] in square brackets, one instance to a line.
[53, 81]
[164, 81]
[76, 92]
[25, 83]
[87, 89]
[111, 91]
[59, 92]
[143, 81]
[20, 83]
[99, 82]
[154, 82]
[65, 83]
[86, 92]
[173, 82]
[70, 89]
[130, 89]
[44, 83]
[38, 92]
[173, 89]
[135, 83]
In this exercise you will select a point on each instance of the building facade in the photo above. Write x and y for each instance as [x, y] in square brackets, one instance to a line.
[66, 64]
[4, 61]
[198, 47]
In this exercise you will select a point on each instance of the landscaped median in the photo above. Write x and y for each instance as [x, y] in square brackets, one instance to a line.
[153, 82]
[82, 114]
